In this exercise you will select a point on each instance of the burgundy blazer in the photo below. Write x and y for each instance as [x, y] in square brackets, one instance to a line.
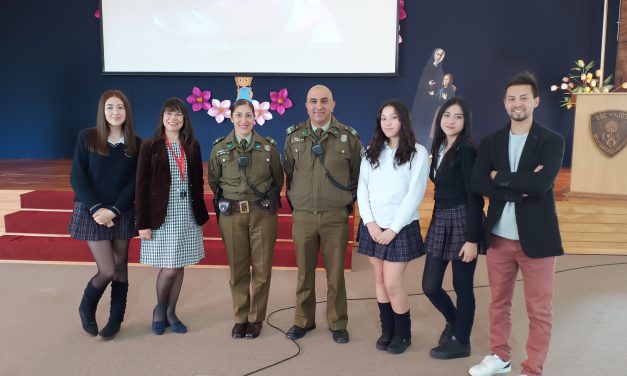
[153, 184]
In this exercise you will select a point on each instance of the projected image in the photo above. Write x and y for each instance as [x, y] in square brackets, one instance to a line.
[300, 36]
[434, 88]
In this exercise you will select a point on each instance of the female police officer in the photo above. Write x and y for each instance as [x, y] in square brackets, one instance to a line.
[246, 176]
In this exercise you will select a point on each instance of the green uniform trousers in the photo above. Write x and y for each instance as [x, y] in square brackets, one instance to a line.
[312, 231]
[249, 239]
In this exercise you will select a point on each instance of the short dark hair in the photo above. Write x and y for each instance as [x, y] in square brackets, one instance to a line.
[523, 78]
[242, 102]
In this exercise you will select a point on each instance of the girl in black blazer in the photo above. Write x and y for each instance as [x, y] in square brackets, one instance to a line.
[454, 233]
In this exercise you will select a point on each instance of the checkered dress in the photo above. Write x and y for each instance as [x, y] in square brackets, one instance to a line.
[406, 245]
[447, 234]
[178, 242]
[83, 227]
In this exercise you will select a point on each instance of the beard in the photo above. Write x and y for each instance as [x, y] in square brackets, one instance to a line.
[521, 116]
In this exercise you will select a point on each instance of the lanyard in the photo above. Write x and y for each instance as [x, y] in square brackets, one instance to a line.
[180, 162]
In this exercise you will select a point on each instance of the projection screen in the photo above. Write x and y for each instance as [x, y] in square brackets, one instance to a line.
[223, 37]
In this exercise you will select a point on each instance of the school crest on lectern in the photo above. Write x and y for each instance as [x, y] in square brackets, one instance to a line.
[609, 131]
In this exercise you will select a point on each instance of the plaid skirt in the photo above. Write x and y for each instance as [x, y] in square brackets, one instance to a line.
[406, 245]
[447, 234]
[83, 227]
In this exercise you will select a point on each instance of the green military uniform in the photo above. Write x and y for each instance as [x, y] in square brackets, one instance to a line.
[320, 216]
[249, 232]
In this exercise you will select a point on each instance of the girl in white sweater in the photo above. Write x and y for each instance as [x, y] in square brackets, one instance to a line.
[392, 184]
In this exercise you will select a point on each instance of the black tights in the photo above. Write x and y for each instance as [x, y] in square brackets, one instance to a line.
[463, 273]
[169, 282]
[111, 258]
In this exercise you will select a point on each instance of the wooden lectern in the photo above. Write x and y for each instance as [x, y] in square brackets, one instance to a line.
[599, 163]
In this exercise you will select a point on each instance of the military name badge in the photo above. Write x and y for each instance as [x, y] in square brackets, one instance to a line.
[296, 139]
[344, 138]
[609, 131]
[266, 147]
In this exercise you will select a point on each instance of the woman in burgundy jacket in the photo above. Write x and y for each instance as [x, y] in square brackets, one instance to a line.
[170, 209]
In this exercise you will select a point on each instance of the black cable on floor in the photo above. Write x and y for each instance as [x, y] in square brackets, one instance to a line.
[373, 298]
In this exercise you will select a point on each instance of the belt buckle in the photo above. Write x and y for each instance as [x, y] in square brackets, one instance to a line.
[243, 207]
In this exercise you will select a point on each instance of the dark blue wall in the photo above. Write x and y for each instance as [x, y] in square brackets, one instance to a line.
[51, 63]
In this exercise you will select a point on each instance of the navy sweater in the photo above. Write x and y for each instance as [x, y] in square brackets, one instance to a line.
[103, 181]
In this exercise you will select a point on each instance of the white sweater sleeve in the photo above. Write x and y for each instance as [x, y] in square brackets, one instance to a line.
[419, 172]
[363, 192]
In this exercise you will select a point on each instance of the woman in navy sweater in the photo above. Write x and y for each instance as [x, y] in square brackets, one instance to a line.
[103, 179]
[454, 233]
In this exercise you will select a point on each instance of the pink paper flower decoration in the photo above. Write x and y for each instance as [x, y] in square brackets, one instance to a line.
[199, 99]
[280, 101]
[401, 11]
[220, 110]
[261, 112]
[401, 16]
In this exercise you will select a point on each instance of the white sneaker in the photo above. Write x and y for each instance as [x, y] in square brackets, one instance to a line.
[490, 365]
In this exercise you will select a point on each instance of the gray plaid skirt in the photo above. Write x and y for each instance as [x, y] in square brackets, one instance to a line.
[447, 234]
[83, 227]
[406, 245]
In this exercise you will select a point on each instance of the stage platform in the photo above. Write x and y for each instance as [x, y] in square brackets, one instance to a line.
[588, 225]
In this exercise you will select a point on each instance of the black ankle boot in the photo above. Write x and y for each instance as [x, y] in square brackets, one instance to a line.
[402, 333]
[87, 309]
[451, 349]
[119, 290]
[386, 315]
[447, 333]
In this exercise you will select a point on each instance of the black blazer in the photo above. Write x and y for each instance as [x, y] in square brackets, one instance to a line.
[536, 216]
[453, 188]
[152, 189]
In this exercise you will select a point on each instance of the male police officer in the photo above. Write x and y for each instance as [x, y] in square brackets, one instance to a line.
[322, 158]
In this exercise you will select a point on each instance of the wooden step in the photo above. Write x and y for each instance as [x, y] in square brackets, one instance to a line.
[592, 227]
[616, 237]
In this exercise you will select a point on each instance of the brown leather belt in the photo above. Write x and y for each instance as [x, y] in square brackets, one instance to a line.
[245, 206]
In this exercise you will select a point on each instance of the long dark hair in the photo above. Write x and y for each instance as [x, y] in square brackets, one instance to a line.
[98, 142]
[186, 134]
[407, 140]
[439, 138]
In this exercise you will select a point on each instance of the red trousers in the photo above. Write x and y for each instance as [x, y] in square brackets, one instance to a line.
[504, 258]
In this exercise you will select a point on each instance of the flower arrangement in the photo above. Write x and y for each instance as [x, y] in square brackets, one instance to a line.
[220, 110]
[581, 80]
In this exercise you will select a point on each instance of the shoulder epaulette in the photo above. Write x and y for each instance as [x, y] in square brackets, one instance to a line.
[218, 140]
[291, 129]
[271, 140]
[352, 131]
